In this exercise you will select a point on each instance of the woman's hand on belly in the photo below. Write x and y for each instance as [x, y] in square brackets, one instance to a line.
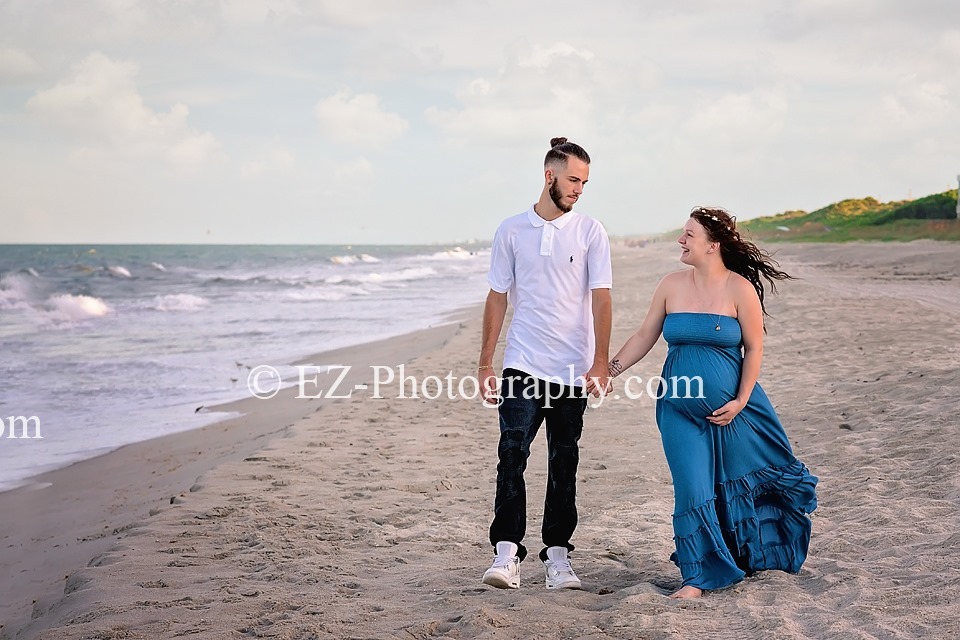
[725, 414]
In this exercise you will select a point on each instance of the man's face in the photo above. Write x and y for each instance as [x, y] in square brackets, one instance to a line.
[567, 183]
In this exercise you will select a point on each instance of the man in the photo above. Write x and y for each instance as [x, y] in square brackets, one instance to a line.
[553, 265]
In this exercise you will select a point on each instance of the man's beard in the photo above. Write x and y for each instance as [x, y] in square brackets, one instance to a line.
[557, 197]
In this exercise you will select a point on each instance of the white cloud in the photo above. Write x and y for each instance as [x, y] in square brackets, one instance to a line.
[193, 150]
[254, 11]
[739, 118]
[278, 160]
[359, 169]
[539, 91]
[16, 65]
[914, 109]
[950, 43]
[357, 13]
[359, 119]
[479, 87]
[541, 57]
[99, 104]
[500, 124]
[365, 13]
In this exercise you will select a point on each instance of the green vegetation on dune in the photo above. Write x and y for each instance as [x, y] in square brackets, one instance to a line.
[933, 216]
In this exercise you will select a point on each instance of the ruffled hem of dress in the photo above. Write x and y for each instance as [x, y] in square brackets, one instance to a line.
[756, 522]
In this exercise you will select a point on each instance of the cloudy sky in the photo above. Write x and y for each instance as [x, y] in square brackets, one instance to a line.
[408, 121]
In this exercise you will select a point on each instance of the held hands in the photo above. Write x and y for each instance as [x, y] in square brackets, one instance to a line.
[598, 380]
[725, 414]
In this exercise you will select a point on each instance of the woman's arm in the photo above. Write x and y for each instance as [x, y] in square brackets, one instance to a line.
[640, 343]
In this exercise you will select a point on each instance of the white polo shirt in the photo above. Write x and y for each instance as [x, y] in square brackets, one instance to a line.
[548, 270]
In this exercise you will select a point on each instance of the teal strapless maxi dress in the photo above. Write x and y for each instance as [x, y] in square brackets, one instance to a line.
[741, 497]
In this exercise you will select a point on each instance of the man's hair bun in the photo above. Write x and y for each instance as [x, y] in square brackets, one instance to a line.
[560, 148]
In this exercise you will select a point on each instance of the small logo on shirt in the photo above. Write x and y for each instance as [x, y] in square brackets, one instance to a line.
[571, 258]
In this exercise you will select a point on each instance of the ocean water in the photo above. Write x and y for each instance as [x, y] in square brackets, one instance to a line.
[114, 344]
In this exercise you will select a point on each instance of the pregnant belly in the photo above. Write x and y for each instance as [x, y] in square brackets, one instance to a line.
[698, 391]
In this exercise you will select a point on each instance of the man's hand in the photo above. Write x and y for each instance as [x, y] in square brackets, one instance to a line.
[488, 386]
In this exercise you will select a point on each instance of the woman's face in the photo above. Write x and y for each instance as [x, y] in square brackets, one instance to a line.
[695, 242]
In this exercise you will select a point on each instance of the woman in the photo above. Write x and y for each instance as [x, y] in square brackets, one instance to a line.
[740, 494]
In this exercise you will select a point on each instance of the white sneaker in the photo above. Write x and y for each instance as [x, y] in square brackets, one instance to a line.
[505, 571]
[560, 574]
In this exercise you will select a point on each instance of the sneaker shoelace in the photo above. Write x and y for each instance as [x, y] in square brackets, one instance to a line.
[501, 562]
[562, 566]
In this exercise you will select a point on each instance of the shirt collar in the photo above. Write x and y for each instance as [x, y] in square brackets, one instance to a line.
[559, 223]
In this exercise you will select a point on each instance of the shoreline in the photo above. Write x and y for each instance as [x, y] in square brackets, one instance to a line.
[53, 535]
[106, 357]
[368, 518]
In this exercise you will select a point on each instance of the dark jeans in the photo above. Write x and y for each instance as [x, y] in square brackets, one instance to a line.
[520, 418]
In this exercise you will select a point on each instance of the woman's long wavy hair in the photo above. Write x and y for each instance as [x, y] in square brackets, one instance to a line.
[739, 255]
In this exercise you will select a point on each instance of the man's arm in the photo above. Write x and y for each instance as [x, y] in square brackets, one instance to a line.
[494, 311]
[598, 376]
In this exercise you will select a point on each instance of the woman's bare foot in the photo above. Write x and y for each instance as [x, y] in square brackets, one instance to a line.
[687, 592]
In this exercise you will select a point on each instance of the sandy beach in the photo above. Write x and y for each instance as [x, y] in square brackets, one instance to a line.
[367, 517]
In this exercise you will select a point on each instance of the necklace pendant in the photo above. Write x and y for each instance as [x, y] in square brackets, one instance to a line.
[716, 328]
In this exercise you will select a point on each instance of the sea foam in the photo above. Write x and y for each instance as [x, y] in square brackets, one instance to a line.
[68, 307]
[178, 302]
